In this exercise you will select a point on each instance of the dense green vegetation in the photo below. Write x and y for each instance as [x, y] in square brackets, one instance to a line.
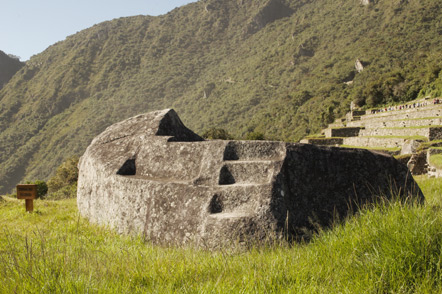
[217, 133]
[9, 65]
[64, 183]
[272, 67]
[387, 248]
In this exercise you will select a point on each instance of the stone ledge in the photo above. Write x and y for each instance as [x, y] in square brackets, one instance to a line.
[342, 132]
[400, 123]
[409, 114]
[375, 142]
[431, 133]
[323, 141]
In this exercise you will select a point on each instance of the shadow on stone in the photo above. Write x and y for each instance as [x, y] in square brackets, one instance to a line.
[216, 205]
[128, 168]
[226, 177]
[230, 152]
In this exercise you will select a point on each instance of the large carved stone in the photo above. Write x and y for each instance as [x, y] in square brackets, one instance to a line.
[151, 175]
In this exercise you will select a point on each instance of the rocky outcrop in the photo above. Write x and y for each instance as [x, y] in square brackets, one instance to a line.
[359, 66]
[270, 12]
[366, 2]
[410, 146]
[151, 175]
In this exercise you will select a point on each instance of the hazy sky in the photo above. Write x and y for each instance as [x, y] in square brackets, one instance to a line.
[28, 27]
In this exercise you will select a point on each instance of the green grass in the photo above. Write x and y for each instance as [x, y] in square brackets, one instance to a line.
[325, 138]
[422, 118]
[429, 144]
[405, 157]
[436, 160]
[390, 248]
[315, 136]
[391, 149]
[423, 138]
[415, 127]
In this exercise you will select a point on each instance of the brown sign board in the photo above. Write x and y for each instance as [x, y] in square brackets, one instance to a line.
[26, 191]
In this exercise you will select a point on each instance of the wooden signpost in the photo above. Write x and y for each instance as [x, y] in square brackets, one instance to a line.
[29, 193]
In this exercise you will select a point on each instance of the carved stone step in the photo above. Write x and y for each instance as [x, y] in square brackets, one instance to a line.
[246, 172]
[250, 150]
[238, 197]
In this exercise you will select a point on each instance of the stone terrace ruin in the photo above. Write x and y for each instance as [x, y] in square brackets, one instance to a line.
[151, 175]
[395, 130]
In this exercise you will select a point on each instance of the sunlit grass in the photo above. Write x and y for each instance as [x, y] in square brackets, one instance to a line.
[389, 248]
[422, 138]
[436, 160]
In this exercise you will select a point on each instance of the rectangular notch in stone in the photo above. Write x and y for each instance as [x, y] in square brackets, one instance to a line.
[129, 168]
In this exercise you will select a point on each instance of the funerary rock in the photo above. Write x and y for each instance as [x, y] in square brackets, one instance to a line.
[151, 175]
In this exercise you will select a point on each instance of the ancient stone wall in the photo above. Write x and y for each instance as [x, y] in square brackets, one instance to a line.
[432, 133]
[412, 113]
[397, 123]
[342, 132]
[374, 142]
[323, 141]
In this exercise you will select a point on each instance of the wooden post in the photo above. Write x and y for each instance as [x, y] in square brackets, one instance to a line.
[29, 205]
[29, 193]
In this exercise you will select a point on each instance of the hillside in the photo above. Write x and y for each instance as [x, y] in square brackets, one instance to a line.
[275, 67]
[8, 67]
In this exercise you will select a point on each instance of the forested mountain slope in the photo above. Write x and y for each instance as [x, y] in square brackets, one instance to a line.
[279, 67]
[8, 67]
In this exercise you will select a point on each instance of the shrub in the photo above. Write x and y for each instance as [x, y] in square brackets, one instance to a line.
[64, 183]
[42, 188]
[215, 133]
[255, 136]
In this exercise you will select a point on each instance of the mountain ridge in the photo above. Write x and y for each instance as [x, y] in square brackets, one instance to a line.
[229, 64]
[9, 65]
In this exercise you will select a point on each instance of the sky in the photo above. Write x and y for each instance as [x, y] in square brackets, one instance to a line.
[28, 27]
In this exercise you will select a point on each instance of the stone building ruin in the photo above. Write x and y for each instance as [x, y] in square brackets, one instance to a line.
[151, 175]
[411, 131]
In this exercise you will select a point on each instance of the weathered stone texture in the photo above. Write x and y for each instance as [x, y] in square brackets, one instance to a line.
[430, 112]
[323, 141]
[410, 146]
[418, 163]
[342, 132]
[374, 142]
[151, 175]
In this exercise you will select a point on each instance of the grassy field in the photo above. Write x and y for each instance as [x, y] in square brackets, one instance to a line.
[390, 248]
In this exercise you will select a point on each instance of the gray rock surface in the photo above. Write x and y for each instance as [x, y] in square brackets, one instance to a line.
[151, 175]
[366, 2]
[358, 64]
[410, 146]
[418, 163]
